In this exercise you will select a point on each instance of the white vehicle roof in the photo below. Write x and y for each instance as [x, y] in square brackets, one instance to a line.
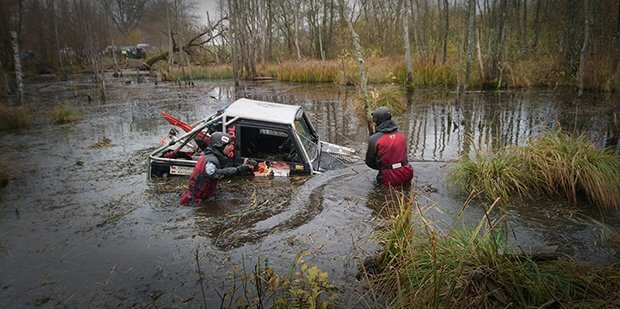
[262, 111]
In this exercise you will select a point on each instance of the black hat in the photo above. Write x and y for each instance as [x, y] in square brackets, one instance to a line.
[381, 115]
[219, 139]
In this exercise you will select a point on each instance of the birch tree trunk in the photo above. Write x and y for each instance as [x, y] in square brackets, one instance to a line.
[445, 31]
[18, 67]
[296, 32]
[170, 41]
[469, 37]
[584, 47]
[233, 33]
[524, 31]
[408, 60]
[480, 63]
[363, 77]
[60, 62]
[180, 37]
[499, 41]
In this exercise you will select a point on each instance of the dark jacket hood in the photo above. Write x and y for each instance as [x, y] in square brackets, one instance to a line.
[387, 126]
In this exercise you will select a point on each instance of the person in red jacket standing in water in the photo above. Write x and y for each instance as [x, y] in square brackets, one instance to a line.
[387, 151]
[214, 164]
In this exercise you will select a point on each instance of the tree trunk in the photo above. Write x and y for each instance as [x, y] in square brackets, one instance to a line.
[445, 32]
[584, 47]
[536, 24]
[18, 67]
[5, 79]
[269, 31]
[469, 37]
[360, 61]
[408, 62]
[524, 31]
[296, 26]
[182, 60]
[480, 63]
[58, 47]
[233, 33]
[499, 42]
[614, 76]
[170, 41]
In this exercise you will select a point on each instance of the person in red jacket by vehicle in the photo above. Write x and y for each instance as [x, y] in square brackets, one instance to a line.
[387, 151]
[214, 164]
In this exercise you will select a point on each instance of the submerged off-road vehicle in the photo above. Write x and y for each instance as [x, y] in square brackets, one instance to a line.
[279, 136]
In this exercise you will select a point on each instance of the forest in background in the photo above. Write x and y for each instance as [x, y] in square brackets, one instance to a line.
[453, 43]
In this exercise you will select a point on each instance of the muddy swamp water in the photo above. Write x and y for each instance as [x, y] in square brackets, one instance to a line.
[81, 225]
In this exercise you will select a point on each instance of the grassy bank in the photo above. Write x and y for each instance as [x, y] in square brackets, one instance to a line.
[553, 164]
[474, 268]
[194, 72]
[14, 118]
[63, 114]
[540, 70]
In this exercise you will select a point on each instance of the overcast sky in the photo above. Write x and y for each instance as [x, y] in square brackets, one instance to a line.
[211, 6]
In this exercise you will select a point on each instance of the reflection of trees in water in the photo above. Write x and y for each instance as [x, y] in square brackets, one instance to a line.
[445, 129]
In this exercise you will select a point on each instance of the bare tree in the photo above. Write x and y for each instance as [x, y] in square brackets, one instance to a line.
[196, 41]
[408, 60]
[360, 61]
[18, 67]
[446, 29]
[125, 14]
[584, 47]
[469, 40]
[170, 39]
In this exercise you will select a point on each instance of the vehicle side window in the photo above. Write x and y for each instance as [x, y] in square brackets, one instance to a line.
[267, 145]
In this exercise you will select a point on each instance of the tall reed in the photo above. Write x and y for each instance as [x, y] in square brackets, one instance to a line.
[553, 164]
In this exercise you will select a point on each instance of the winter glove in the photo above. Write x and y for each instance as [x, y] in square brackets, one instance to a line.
[250, 162]
[244, 169]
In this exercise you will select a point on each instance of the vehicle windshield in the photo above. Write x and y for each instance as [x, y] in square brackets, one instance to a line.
[308, 139]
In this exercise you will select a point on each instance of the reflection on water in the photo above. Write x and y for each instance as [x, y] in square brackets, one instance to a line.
[442, 130]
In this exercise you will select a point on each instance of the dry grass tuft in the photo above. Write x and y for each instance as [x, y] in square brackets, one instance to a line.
[554, 163]
[14, 118]
[390, 96]
[196, 72]
[64, 114]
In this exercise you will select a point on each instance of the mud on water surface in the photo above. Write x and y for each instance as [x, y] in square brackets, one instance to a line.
[81, 225]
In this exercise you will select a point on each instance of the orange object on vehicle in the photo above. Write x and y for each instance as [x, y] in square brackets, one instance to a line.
[202, 136]
[176, 122]
[262, 170]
